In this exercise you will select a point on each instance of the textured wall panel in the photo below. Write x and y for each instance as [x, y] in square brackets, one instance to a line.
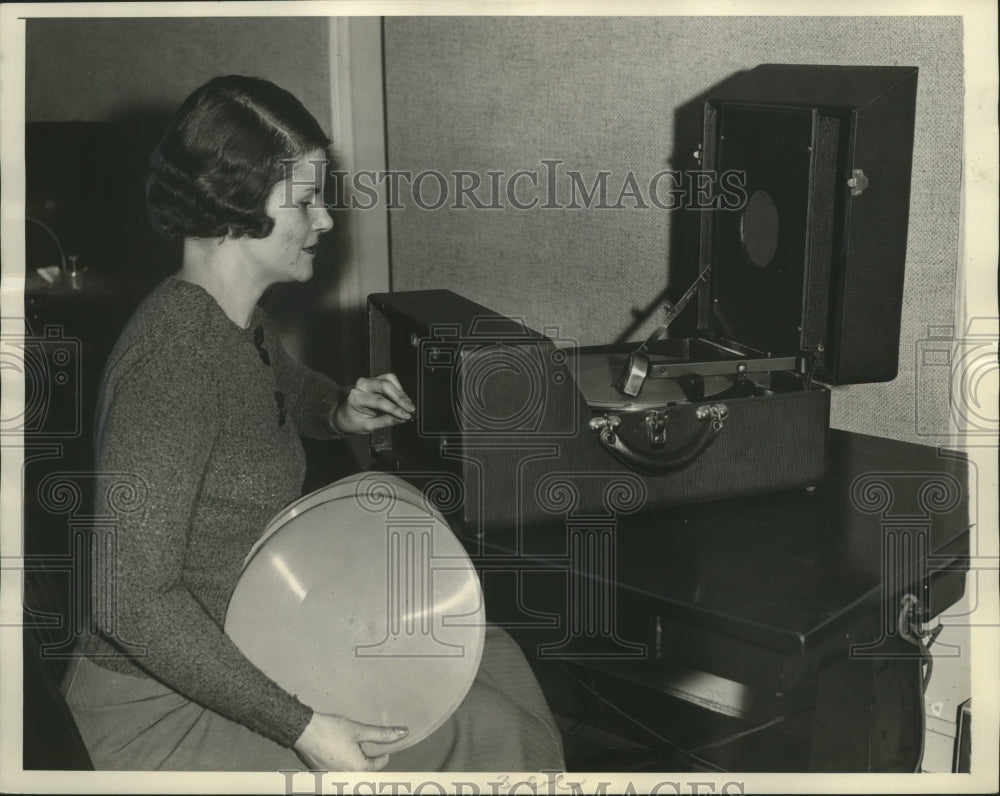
[615, 94]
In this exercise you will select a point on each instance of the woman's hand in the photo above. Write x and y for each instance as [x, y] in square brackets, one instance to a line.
[371, 404]
[333, 743]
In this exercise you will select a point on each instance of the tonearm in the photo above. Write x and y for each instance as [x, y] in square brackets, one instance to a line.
[636, 369]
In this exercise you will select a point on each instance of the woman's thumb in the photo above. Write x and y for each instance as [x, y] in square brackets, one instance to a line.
[379, 734]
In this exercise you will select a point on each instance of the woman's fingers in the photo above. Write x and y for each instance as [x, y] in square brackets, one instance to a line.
[378, 734]
[334, 743]
[392, 377]
[374, 404]
[388, 385]
[382, 396]
[378, 763]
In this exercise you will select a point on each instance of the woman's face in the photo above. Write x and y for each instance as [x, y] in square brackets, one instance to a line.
[300, 217]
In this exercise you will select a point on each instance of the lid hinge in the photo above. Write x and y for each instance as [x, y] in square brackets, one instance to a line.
[809, 361]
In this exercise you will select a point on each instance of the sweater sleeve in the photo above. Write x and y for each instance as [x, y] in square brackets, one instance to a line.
[160, 431]
[311, 396]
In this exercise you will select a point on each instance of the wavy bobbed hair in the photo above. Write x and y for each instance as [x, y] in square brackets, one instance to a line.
[221, 155]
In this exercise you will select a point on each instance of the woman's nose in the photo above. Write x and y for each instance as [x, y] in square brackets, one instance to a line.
[322, 221]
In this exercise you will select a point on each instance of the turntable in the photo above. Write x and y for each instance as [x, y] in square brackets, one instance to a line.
[798, 289]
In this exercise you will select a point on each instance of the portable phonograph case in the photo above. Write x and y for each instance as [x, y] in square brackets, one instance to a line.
[800, 288]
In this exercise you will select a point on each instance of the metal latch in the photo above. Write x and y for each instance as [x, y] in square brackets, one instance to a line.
[605, 425]
[858, 182]
[656, 427]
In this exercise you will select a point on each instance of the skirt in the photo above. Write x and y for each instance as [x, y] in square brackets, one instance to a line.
[138, 724]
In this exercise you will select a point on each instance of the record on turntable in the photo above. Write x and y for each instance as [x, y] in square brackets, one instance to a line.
[360, 600]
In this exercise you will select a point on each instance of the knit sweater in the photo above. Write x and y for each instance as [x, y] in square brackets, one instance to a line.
[203, 418]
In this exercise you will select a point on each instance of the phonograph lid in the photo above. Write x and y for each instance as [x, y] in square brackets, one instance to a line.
[360, 600]
[807, 239]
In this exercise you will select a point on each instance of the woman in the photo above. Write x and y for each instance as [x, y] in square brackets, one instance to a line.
[200, 414]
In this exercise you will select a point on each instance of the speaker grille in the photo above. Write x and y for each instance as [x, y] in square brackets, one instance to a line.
[759, 229]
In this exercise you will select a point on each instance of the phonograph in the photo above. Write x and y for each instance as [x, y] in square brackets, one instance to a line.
[799, 288]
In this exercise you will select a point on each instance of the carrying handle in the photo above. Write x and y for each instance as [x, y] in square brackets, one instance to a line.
[712, 415]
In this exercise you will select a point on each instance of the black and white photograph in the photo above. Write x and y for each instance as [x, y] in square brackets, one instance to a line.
[523, 397]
